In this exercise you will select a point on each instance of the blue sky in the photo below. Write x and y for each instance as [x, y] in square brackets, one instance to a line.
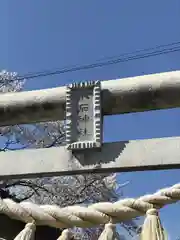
[43, 34]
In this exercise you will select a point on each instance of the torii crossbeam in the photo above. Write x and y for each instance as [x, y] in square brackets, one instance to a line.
[85, 151]
[151, 154]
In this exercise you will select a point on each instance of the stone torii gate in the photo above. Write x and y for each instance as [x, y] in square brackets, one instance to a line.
[83, 105]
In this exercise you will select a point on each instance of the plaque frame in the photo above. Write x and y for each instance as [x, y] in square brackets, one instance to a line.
[97, 116]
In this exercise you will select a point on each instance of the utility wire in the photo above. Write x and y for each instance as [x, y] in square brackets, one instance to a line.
[141, 51]
[124, 58]
[107, 58]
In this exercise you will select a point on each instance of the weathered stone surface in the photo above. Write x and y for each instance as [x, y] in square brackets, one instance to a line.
[135, 94]
[148, 154]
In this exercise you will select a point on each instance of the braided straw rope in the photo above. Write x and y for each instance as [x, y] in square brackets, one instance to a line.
[95, 214]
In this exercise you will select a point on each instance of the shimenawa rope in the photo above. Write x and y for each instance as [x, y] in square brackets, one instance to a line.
[95, 214]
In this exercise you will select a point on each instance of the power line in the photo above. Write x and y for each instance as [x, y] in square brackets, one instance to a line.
[112, 57]
[141, 50]
[107, 62]
[108, 58]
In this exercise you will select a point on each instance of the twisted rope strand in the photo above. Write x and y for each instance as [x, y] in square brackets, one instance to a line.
[93, 215]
